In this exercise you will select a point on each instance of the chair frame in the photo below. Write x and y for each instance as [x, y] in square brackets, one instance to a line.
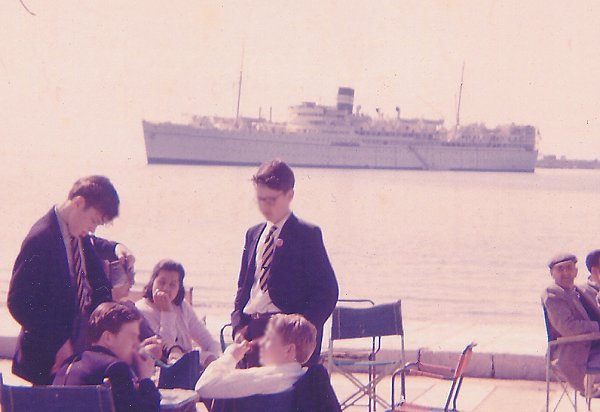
[103, 393]
[370, 361]
[554, 342]
[419, 368]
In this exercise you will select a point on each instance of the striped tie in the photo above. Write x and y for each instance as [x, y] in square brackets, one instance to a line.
[267, 258]
[83, 295]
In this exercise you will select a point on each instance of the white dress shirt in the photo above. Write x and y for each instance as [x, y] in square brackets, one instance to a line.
[221, 380]
[260, 300]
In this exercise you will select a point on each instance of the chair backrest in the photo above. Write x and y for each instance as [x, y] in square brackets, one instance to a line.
[96, 398]
[463, 361]
[183, 374]
[378, 320]
[225, 336]
[550, 331]
[277, 402]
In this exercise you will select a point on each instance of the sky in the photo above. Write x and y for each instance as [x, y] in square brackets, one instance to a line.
[79, 76]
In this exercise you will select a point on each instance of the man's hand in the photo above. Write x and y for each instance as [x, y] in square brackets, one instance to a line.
[144, 364]
[65, 352]
[238, 350]
[126, 256]
[153, 345]
[240, 335]
[162, 301]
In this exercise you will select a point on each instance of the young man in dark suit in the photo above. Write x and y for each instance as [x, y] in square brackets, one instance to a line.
[58, 278]
[114, 331]
[285, 268]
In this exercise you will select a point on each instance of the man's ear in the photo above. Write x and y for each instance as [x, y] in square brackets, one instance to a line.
[78, 202]
[290, 195]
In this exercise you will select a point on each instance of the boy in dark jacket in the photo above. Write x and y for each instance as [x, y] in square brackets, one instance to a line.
[114, 331]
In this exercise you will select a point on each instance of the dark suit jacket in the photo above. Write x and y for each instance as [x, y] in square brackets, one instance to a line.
[301, 279]
[43, 299]
[98, 363]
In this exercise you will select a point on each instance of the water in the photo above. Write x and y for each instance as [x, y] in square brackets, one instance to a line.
[451, 245]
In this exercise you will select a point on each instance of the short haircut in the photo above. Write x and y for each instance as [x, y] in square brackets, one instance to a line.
[592, 259]
[110, 316]
[98, 193]
[295, 329]
[170, 265]
[276, 175]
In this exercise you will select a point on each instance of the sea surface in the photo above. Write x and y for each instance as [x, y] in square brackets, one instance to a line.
[453, 246]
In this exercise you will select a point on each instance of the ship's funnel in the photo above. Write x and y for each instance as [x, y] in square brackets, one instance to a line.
[345, 99]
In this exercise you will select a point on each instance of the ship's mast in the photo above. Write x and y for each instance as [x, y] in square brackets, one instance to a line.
[237, 112]
[462, 75]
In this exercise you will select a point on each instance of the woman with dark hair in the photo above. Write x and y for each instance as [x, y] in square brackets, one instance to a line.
[171, 317]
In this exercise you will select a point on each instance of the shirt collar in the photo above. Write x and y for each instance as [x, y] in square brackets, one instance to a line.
[280, 223]
[64, 229]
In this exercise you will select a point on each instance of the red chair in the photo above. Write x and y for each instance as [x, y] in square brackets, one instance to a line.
[419, 368]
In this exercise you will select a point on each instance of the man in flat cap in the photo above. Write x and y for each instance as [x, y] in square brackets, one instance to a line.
[570, 312]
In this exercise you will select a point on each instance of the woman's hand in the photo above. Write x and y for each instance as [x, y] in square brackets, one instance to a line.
[162, 301]
[153, 345]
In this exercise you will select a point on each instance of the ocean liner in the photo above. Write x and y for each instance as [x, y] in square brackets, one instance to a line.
[341, 136]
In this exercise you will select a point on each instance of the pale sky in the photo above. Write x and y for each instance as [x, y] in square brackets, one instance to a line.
[81, 75]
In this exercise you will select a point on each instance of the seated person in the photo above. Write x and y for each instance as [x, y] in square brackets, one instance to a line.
[171, 317]
[288, 342]
[592, 286]
[570, 312]
[114, 354]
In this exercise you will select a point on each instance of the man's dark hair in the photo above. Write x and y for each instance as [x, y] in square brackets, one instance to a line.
[276, 175]
[171, 265]
[592, 258]
[98, 193]
[110, 316]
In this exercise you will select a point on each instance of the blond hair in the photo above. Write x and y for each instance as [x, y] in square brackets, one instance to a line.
[295, 329]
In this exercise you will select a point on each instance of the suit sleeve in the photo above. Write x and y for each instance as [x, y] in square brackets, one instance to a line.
[105, 249]
[322, 284]
[562, 319]
[128, 398]
[27, 296]
[242, 295]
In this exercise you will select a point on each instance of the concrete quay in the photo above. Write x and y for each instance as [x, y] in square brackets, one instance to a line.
[503, 351]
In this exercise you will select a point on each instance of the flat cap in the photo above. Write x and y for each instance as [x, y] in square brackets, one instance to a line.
[560, 258]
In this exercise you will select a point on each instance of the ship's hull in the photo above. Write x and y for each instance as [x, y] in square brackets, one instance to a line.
[180, 144]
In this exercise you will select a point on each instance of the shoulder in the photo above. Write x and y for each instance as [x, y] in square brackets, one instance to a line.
[303, 226]
[186, 309]
[42, 230]
[553, 292]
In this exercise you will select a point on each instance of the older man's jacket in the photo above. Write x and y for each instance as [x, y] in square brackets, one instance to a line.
[570, 313]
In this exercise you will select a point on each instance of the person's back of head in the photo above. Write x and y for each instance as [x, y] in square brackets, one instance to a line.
[592, 262]
[288, 338]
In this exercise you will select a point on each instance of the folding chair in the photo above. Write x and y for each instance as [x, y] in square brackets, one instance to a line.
[225, 342]
[419, 368]
[374, 322]
[56, 398]
[554, 340]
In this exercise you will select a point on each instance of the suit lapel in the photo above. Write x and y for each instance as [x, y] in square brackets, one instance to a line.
[253, 245]
[286, 233]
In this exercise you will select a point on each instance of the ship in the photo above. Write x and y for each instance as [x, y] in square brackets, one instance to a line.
[340, 136]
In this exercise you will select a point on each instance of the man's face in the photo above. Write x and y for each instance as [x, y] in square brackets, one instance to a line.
[126, 342]
[564, 274]
[273, 351]
[273, 204]
[84, 220]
